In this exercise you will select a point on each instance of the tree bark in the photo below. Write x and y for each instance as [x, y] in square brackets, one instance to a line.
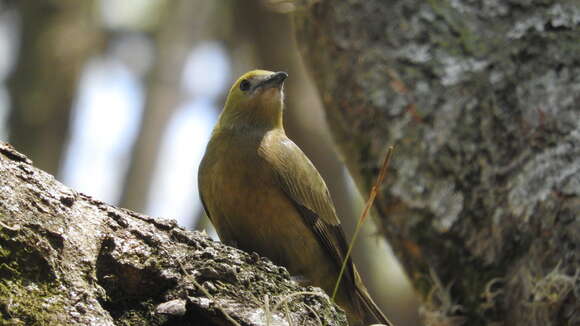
[68, 259]
[482, 100]
[56, 39]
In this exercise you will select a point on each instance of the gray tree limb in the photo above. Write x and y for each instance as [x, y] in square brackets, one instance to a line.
[68, 259]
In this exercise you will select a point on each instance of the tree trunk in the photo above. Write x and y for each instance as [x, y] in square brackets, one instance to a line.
[56, 39]
[482, 100]
[68, 259]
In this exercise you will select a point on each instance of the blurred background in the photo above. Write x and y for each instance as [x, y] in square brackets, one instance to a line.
[117, 100]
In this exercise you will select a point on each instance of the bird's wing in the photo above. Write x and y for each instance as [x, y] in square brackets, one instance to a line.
[306, 189]
[201, 174]
[204, 206]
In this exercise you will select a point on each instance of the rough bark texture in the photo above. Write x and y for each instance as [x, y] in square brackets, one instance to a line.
[68, 259]
[482, 100]
[56, 39]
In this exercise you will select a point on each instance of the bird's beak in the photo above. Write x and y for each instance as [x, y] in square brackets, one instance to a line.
[274, 80]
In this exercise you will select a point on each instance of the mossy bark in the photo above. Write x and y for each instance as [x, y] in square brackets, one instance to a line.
[482, 100]
[68, 259]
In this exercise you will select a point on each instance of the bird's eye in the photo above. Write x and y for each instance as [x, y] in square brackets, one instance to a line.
[245, 85]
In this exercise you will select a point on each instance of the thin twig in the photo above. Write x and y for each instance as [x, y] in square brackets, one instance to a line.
[315, 314]
[16, 227]
[267, 310]
[288, 316]
[363, 216]
[291, 296]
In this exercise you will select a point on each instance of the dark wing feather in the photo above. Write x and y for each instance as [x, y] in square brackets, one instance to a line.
[306, 189]
[201, 174]
[369, 305]
[204, 206]
[331, 236]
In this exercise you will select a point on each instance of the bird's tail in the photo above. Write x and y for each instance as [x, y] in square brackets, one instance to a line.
[371, 311]
[371, 308]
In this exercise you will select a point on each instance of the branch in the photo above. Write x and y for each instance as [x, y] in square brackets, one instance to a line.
[66, 258]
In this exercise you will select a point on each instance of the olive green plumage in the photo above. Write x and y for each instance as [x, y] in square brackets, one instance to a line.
[263, 194]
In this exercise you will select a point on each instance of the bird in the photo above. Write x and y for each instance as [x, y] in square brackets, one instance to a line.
[264, 195]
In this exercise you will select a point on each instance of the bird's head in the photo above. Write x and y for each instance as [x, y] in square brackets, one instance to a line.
[255, 101]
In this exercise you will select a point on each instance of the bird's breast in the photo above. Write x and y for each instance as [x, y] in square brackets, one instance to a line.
[250, 210]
